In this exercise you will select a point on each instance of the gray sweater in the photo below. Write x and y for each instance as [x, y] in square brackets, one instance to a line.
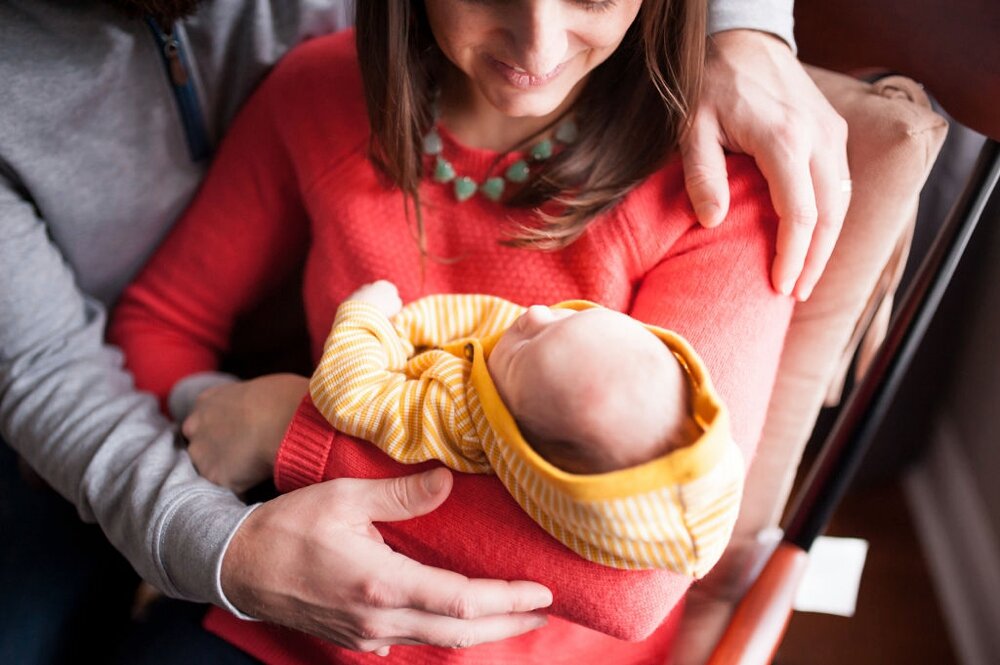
[94, 168]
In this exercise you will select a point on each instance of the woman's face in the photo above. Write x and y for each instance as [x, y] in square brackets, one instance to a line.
[525, 57]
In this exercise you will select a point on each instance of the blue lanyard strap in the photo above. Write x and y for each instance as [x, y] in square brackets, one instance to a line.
[178, 68]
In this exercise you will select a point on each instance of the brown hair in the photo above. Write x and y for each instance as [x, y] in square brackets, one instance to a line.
[630, 114]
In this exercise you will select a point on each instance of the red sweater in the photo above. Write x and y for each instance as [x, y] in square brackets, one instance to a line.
[291, 182]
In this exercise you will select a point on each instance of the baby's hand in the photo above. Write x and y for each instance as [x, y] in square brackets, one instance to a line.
[383, 294]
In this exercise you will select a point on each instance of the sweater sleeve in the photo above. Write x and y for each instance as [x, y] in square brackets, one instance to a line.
[440, 319]
[712, 287]
[414, 409]
[431, 321]
[71, 411]
[244, 234]
[774, 16]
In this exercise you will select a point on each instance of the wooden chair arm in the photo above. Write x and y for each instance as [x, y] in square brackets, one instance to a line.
[756, 629]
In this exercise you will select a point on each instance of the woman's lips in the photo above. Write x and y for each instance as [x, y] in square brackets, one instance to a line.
[520, 78]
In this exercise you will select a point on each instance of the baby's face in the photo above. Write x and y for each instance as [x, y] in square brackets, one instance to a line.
[558, 343]
[595, 375]
[533, 333]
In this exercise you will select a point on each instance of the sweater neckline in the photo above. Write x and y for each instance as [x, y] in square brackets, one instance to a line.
[476, 162]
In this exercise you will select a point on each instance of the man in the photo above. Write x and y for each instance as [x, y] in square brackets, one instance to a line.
[107, 119]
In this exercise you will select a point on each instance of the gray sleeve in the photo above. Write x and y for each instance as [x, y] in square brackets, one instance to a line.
[71, 411]
[774, 16]
[180, 402]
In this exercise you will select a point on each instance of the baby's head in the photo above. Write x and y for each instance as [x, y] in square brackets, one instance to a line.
[591, 391]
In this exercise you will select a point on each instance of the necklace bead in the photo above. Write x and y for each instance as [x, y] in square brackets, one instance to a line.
[493, 188]
[443, 170]
[432, 143]
[518, 171]
[464, 187]
[567, 132]
[542, 150]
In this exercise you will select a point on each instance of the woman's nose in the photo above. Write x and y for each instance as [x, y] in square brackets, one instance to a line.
[539, 34]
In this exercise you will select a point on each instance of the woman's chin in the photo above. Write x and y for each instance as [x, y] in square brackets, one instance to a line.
[520, 104]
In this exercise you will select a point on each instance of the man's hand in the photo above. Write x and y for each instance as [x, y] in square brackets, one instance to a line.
[235, 429]
[383, 294]
[313, 561]
[757, 99]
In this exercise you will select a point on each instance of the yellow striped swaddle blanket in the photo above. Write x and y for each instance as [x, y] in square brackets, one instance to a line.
[418, 388]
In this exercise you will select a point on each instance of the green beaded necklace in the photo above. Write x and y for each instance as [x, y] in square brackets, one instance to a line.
[493, 187]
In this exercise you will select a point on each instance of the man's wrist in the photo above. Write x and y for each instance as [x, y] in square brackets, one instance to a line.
[225, 602]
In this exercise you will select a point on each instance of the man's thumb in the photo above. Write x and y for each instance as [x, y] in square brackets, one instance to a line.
[395, 499]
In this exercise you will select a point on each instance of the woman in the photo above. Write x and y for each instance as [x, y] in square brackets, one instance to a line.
[440, 155]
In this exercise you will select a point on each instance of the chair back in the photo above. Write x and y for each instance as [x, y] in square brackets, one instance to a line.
[894, 137]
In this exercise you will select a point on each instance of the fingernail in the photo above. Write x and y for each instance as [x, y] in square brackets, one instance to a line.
[786, 287]
[540, 622]
[434, 481]
[543, 599]
[804, 293]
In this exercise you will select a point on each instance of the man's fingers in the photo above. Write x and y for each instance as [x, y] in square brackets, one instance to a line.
[402, 498]
[705, 176]
[790, 182]
[417, 604]
[449, 594]
[443, 631]
[833, 195]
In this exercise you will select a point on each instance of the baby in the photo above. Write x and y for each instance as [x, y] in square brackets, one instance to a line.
[606, 431]
[592, 391]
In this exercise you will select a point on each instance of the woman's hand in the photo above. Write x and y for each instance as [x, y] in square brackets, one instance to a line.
[382, 294]
[235, 429]
[757, 99]
[313, 561]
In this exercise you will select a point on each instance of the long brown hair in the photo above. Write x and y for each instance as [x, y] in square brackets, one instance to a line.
[630, 114]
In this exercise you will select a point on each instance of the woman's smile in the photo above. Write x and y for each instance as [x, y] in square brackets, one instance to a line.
[522, 78]
[524, 59]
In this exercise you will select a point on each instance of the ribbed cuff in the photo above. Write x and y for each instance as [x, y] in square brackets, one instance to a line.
[184, 393]
[222, 601]
[303, 452]
[192, 541]
[773, 16]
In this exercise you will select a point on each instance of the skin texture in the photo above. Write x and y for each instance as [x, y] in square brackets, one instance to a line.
[518, 66]
[593, 391]
[367, 597]
[244, 413]
[759, 100]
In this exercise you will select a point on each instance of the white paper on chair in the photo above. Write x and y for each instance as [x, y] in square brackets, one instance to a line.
[833, 575]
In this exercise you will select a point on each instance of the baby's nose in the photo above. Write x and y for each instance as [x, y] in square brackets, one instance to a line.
[536, 317]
